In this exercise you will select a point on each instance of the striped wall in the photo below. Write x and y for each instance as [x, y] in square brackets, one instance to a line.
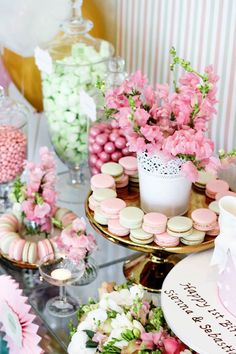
[202, 31]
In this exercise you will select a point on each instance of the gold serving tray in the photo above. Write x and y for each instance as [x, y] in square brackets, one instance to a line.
[130, 195]
[18, 264]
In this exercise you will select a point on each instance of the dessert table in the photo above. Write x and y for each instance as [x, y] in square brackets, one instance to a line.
[110, 257]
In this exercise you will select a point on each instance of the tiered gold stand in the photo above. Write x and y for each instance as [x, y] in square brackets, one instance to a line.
[151, 266]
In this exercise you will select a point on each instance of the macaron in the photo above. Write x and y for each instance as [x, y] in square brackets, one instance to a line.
[113, 169]
[214, 206]
[18, 249]
[103, 193]
[129, 164]
[166, 240]
[32, 253]
[131, 217]
[141, 236]
[6, 241]
[214, 232]
[122, 182]
[112, 206]
[102, 180]
[100, 216]
[61, 212]
[12, 248]
[44, 248]
[25, 251]
[203, 178]
[134, 178]
[68, 218]
[225, 194]
[93, 203]
[216, 186]
[179, 226]
[116, 228]
[204, 219]
[195, 238]
[10, 221]
[154, 223]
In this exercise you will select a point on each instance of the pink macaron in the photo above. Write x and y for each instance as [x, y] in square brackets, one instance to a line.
[123, 181]
[214, 232]
[154, 223]
[17, 251]
[116, 228]
[45, 248]
[166, 240]
[225, 194]
[93, 203]
[102, 180]
[9, 220]
[129, 164]
[204, 219]
[68, 218]
[216, 186]
[112, 206]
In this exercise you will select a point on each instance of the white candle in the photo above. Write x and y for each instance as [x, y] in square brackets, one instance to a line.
[61, 274]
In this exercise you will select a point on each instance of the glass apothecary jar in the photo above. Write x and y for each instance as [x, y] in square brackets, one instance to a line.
[13, 144]
[72, 63]
[107, 142]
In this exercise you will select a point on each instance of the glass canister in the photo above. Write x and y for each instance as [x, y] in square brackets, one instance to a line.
[75, 61]
[107, 142]
[13, 144]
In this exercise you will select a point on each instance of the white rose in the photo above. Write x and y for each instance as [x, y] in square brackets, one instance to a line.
[136, 291]
[121, 297]
[109, 304]
[78, 344]
[121, 321]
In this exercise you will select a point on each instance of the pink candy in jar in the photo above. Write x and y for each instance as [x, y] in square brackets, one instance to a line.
[106, 143]
[13, 147]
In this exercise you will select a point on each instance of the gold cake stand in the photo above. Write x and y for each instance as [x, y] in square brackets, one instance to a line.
[151, 266]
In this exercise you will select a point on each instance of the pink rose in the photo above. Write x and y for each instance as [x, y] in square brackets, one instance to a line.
[172, 345]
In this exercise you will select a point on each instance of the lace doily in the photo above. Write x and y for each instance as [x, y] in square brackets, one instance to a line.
[155, 165]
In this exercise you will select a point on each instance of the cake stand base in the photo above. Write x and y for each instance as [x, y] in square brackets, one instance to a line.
[149, 269]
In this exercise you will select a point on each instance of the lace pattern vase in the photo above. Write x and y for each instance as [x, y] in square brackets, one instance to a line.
[163, 188]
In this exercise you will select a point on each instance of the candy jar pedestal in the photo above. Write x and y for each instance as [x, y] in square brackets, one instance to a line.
[73, 185]
[5, 203]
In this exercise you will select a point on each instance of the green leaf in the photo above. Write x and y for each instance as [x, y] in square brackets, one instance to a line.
[89, 333]
[91, 344]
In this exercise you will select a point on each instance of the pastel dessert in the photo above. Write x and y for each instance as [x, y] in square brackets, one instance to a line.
[134, 178]
[122, 182]
[18, 250]
[141, 236]
[166, 240]
[216, 186]
[93, 203]
[214, 232]
[179, 226]
[60, 212]
[225, 194]
[102, 180]
[100, 216]
[113, 169]
[44, 248]
[129, 164]
[111, 207]
[116, 228]
[195, 238]
[214, 206]
[203, 178]
[131, 217]
[6, 241]
[204, 219]
[68, 218]
[154, 223]
[103, 193]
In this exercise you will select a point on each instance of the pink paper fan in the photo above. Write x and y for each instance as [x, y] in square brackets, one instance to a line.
[17, 321]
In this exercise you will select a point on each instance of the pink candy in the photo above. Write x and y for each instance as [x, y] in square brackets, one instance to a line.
[106, 143]
[12, 152]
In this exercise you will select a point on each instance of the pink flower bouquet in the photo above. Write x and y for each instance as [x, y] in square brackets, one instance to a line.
[75, 241]
[173, 124]
[35, 200]
[126, 320]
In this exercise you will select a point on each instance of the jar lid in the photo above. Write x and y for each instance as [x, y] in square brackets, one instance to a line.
[12, 112]
[74, 45]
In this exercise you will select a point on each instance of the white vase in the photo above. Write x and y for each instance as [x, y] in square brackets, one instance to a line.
[163, 188]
